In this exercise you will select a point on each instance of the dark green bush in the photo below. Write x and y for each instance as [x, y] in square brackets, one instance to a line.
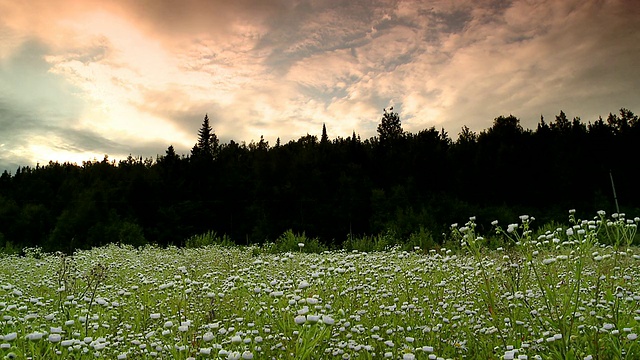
[208, 238]
[290, 242]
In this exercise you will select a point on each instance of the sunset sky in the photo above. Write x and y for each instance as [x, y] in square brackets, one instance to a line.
[82, 78]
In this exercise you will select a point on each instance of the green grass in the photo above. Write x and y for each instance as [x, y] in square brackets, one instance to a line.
[569, 292]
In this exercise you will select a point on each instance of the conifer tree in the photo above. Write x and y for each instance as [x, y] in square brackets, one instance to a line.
[207, 145]
[324, 139]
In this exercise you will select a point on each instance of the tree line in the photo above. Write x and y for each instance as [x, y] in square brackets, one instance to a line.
[397, 183]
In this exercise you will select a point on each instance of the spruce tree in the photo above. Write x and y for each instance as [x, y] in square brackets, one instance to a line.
[324, 139]
[207, 145]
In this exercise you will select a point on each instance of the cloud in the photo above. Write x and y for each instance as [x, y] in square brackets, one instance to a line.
[120, 76]
[526, 59]
[32, 101]
[42, 112]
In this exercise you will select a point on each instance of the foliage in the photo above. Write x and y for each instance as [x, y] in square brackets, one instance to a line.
[7, 248]
[381, 242]
[292, 242]
[562, 294]
[390, 128]
[207, 145]
[421, 239]
[207, 239]
[395, 183]
[364, 243]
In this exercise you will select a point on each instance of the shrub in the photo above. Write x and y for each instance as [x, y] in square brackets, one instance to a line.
[208, 238]
[291, 242]
[422, 239]
[380, 242]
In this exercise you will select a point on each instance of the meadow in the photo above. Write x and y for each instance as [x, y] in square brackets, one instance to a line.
[565, 292]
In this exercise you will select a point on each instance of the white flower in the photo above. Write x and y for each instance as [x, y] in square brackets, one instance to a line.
[66, 343]
[549, 261]
[236, 339]
[34, 336]
[10, 336]
[303, 311]
[632, 336]
[494, 223]
[55, 338]
[208, 336]
[300, 319]
[328, 320]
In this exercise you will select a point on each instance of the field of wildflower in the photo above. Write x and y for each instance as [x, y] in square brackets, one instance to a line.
[566, 293]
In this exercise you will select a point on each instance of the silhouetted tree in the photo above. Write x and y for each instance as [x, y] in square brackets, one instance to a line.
[466, 137]
[390, 128]
[207, 145]
[561, 125]
[324, 139]
[396, 182]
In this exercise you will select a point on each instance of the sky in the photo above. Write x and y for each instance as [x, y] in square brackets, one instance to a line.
[81, 79]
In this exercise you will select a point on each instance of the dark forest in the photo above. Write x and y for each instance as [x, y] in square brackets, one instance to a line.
[397, 183]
